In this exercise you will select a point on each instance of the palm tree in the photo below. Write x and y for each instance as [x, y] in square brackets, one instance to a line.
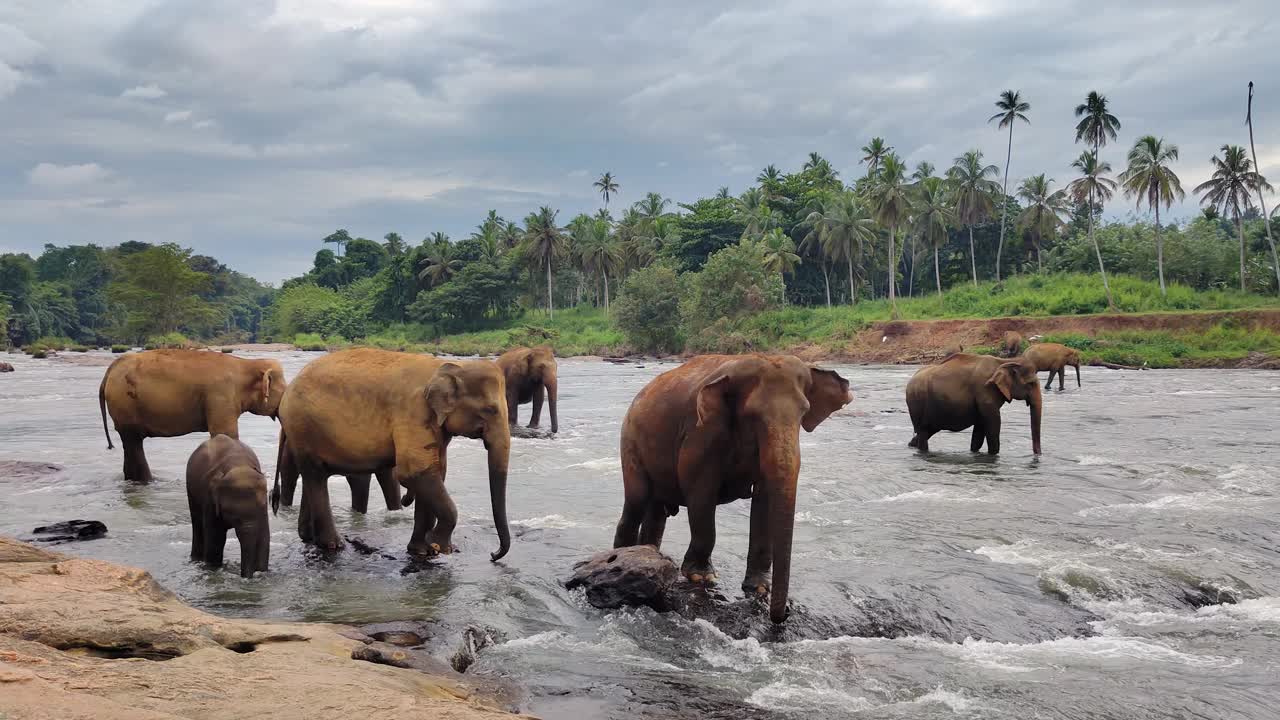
[1262, 201]
[814, 162]
[1096, 125]
[723, 193]
[1044, 210]
[394, 245]
[1229, 189]
[1150, 179]
[487, 237]
[891, 207]
[752, 210]
[339, 238]
[924, 169]
[598, 250]
[779, 255]
[441, 262]
[607, 185]
[841, 224]
[873, 154]
[510, 233]
[770, 174]
[932, 214]
[971, 190]
[544, 241]
[1012, 108]
[642, 247]
[652, 207]
[1093, 184]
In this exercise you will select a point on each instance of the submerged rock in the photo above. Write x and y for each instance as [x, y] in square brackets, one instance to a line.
[639, 575]
[5, 367]
[402, 633]
[23, 470]
[528, 433]
[70, 531]
[474, 639]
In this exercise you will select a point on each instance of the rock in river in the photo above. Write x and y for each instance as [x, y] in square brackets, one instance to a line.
[5, 367]
[70, 531]
[639, 575]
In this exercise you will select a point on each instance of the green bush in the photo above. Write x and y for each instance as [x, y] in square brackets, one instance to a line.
[227, 351]
[173, 340]
[40, 354]
[648, 308]
[310, 342]
[80, 348]
[732, 284]
[119, 349]
[56, 343]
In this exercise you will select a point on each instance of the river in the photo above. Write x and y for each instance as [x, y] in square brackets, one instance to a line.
[1131, 571]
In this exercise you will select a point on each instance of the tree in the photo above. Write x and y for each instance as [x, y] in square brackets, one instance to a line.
[1097, 124]
[363, 259]
[891, 206]
[439, 262]
[608, 186]
[1262, 201]
[841, 224]
[770, 174]
[971, 190]
[394, 245]
[924, 169]
[1012, 108]
[648, 308]
[339, 238]
[709, 224]
[598, 249]
[161, 291]
[873, 154]
[755, 215]
[544, 242]
[723, 193]
[1230, 189]
[732, 283]
[1043, 214]
[778, 254]
[1150, 179]
[1094, 185]
[932, 215]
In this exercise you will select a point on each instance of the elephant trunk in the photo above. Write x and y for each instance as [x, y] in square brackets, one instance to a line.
[1036, 401]
[552, 384]
[780, 458]
[255, 545]
[498, 445]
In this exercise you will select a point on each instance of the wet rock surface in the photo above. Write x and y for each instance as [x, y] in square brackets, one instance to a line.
[69, 531]
[5, 367]
[22, 470]
[632, 576]
[528, 433]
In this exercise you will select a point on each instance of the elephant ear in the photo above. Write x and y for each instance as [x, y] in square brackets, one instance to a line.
[711, 401]
[828, 392]
[1002, 378]
[443, 392]
[266, 385]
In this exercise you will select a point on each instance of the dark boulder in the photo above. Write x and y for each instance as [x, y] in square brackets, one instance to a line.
[403, 633]
[474, 639]
[528, 433]
[5, 367]
[639, 575]
[70, 531]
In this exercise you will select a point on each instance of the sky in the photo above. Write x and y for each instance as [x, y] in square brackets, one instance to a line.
[251, 129]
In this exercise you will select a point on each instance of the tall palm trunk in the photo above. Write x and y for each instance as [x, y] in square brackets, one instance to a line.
[1101, 268]
[853, 291]
[1240, 232]
[911, 279]
[606, 293]
[973, 258]
[1004, 201]
[551, 310]
[826, 281]
[1262, 201]
[1160, 253]
[937, 275]
[893, 272]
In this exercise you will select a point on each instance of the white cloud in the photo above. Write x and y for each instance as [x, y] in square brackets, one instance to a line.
[177, 116]
[204, 124]
[54, 176]
[144, 92]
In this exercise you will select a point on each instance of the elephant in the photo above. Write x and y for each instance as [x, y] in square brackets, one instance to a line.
[226, 490]
[528, 372]
[966, 391]
[288, 473]
[717, 429]
[359, 411]
[1055, 358]
[166, 393]
[1012, 346]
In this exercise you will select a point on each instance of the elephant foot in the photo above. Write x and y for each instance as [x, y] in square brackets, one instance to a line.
[533, 425]
[914, 442]
[431, 549]
[757, 585]
[700, 573]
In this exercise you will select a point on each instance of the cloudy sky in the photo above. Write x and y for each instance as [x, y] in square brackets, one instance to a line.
[250, 129]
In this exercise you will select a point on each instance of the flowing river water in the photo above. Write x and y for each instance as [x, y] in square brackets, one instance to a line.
[1131, 571]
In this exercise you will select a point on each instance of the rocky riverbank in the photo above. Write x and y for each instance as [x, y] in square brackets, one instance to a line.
[92, 639]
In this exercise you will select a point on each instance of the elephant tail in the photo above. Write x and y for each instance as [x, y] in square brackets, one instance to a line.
[102, 405]
[275, 487]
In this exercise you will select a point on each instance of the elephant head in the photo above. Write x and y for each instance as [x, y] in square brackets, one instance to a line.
[1017, 380]
[772, 398]
[239, 499]
[542, 369]
[266, 388]
[470, 400]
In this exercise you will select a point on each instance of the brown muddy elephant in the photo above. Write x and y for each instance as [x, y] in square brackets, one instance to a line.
[529, 373]
[1055, 358]
[166, 393]
[287, 474]
[1012, 345]
[717, 429]
[359, 411]
[968, 391]
[226, 490]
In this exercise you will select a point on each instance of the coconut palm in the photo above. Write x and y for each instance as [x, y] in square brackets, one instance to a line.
[752, 210]
[873, 154]
[440, 261]
[890, 201]
[608, 186]
[971, 191]
[1042, 214]
[1012, 108]
[598, 251]
[543, 242]
[779, 255]
[723, 193]
[1262, 201]
[648, 210]
[1093, 185]
[770, 174]
[841, 224]
[510, 233]
[933, 213]
[1230, 189]
[1097, 124]
[487, 237]
[1150, 180]
[924, 169]
[650, 238]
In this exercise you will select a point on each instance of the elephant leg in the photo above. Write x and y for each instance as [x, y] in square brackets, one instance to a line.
[513, 407]
[315, 521]
[920, 441]
[979, 435]
[390, 488]
[991, 428]
[136, 468]
[254, 544]
[539, 393]
[635, 503]
[215, 538]
[434, 507]
[1062, 377]
[1049, 385]
[359, 492]
[288, 478]
[760, 546]
[702, 536]
[654, 525]
[197, 529]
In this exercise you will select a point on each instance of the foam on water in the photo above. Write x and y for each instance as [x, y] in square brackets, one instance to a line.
[782, 696]
[606, 463]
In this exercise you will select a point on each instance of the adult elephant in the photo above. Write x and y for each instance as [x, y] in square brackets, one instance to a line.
[717, 429]
[1012, 345]
[359, 411]
[530, 372]
[166, 393]
[968, 391]
[1055, 358]
[288, 473]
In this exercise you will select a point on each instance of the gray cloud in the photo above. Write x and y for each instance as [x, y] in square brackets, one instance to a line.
[251, 129]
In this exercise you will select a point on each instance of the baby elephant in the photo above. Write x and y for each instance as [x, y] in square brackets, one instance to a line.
[226, 490]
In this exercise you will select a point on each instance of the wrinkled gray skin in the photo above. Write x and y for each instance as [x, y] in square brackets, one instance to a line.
[226, 490]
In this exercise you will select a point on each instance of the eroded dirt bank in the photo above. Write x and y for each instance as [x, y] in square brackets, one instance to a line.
[91, 639]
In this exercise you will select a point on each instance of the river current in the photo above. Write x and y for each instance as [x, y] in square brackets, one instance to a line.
[1131, 571]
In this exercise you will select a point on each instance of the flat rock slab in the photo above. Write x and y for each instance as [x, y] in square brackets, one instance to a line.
[529, 433]
[70, 531]
[639, 575]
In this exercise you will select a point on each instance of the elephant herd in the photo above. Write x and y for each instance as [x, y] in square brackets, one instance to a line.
[718, 428]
